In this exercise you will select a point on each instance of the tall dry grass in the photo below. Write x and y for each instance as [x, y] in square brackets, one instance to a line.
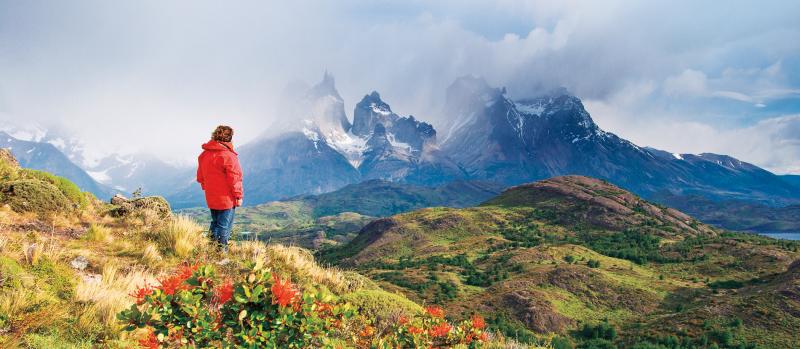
[98, 233]
[298, 262]
[180, 236]
[109, 295]
[150, 254]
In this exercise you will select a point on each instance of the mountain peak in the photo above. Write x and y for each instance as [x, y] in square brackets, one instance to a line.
[326, 87]
[369, 112]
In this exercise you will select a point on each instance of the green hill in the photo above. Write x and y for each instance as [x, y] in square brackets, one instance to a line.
[573, 255]
[333, 218]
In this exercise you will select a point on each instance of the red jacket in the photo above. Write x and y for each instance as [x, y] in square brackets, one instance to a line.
[219, 175]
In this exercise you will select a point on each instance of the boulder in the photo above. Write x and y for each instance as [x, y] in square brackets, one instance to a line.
[79, 263]
[124, 207]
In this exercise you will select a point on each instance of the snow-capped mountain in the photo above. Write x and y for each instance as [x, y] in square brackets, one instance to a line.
[130, 172]
[489, 137]
[120, 172]
[494, 137]
[46, 157]
[319, 150]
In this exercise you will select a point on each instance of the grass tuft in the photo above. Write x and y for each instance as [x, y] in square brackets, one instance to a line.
[150, 254]
[180, 236]
[98, 233]
[110, 294]
[297, 262]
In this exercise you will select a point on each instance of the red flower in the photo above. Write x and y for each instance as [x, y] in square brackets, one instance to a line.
[435, 311]
[440, 330]
[172, 284]
[324, 308]
[224, 292]
[478, 322]
[402, 320]
[149, 342]
[468, 339]
[414, 330]
[368, 331]
[483, 337]
[141, 293]
[283, 292]
[185, 271]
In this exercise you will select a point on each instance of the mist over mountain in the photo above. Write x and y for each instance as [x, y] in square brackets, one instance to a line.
[46, 157]
[489, 136]
[516, 141]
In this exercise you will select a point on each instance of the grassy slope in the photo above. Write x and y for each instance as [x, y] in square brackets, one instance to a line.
[530, 249]
[46, 303]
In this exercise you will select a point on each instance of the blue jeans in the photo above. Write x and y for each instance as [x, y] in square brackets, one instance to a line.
[221, 226]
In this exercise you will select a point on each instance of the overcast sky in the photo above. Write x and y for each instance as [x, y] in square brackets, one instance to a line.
[156, 76]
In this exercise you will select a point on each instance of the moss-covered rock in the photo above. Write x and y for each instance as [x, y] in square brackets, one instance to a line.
[122, 207]
[69, 189]
[32, 195]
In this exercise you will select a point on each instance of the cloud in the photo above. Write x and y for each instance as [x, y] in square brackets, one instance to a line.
[690, 82]
[157, 76]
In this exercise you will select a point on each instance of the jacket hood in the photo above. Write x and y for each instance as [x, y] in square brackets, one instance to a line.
[218, 146]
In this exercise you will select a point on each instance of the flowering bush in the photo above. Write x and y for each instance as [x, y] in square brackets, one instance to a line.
[192, 308]
[430, 330]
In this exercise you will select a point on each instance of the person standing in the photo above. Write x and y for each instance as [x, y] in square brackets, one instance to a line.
[220, 176]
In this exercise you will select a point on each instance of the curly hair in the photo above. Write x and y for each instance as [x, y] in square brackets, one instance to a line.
[222, 134]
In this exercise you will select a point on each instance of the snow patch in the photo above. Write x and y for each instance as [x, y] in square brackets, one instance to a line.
[349, 145]
[378, 110]
[100, 176]
[398, 144]
[677, 156]
[58, 143]
[533, 109]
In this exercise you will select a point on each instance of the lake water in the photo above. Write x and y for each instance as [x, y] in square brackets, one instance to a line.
[785, 236]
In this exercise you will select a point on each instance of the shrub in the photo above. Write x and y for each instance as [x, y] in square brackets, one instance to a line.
[380, 304]
[195, 308]
[600, 331]
[71, 191]
[430, 330]
[726, 284]
[593, 263]
[736, 322]
[180, 236]
[569, 258]
[31, 195]
[59, 278]
[263, 310]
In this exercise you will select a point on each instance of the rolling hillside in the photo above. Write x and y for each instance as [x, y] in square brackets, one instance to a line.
[574, 256]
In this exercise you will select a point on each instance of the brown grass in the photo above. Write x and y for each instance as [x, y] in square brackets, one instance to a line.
[180, 236]
[295, 261]
[110, 295]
